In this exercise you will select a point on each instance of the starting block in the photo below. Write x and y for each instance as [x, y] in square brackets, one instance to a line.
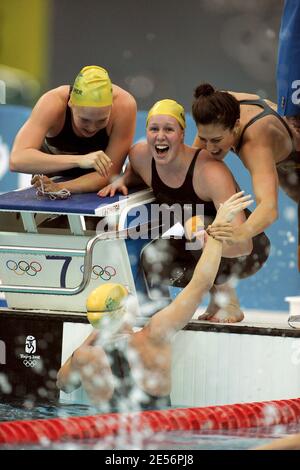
[56, 268]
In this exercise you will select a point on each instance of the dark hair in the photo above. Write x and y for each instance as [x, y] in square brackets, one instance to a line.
[212, 106]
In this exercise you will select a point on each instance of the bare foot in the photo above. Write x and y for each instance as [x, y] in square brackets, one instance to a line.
[230, 314]
[224, 306]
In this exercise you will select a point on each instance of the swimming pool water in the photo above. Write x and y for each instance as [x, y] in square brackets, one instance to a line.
[240, 439]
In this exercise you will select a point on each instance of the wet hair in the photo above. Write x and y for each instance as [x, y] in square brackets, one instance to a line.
[212, 106]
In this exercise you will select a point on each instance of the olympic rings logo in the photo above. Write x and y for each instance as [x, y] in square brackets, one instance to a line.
[29, 362]
[22, 267]
[105, 273]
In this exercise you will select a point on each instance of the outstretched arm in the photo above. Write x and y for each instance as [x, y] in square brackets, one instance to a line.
[217, 182]
[164, 324]
[260, 163]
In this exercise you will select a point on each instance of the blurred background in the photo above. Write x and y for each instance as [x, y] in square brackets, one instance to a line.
[158, 49]
[153, 49]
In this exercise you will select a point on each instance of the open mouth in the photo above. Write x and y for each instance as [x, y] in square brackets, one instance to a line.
[161, 149]
[89, 134]
[216, 153]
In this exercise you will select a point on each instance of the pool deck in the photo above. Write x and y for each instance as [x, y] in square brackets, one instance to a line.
[255, 322]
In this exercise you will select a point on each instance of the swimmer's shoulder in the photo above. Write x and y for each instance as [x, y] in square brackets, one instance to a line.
[139, 150]
[244, 96]
[55, 100]
[249, 96]
[122, 98]
[205, 159]
[208, 167]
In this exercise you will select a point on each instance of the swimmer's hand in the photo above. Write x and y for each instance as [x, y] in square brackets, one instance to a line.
[97, 160]
[194, 228]
[235, 204]
[117, 186]
[46, 184]
[221, 229]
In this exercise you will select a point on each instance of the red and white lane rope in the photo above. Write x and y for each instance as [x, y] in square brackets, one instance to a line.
[238, 416]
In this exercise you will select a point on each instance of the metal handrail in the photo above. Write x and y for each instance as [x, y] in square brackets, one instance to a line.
[87, 266]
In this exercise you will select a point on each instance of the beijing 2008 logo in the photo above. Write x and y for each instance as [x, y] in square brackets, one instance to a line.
[28, 359]
[30, 345]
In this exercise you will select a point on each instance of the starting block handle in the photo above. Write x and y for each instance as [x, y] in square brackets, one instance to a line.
[87, 266]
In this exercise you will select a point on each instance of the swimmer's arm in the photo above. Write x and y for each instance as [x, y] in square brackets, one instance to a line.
[26, 156]
[68, 378]
[122, 183]
[122, 133]
[140, 161]
[218, 183]
[131, 178]
[164, 324]
[89, 183]
[260, 163]
[120, 140]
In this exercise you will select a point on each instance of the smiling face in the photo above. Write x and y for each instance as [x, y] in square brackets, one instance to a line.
[216, 139]
[87, 121]
[165, 137]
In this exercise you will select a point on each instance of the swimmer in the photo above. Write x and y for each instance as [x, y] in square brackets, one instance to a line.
[81, 132]
[184, 175]
[265, 143]
[128, 369]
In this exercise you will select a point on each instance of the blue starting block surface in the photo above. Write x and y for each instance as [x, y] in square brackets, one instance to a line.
[26, 200]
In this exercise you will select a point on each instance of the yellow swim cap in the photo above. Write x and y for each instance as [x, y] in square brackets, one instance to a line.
[106, 299]
[92, 87]
[170, 108]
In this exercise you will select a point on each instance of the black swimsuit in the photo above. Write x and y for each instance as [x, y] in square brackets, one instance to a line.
[266, 111]
[184, 195]
[127, 396]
